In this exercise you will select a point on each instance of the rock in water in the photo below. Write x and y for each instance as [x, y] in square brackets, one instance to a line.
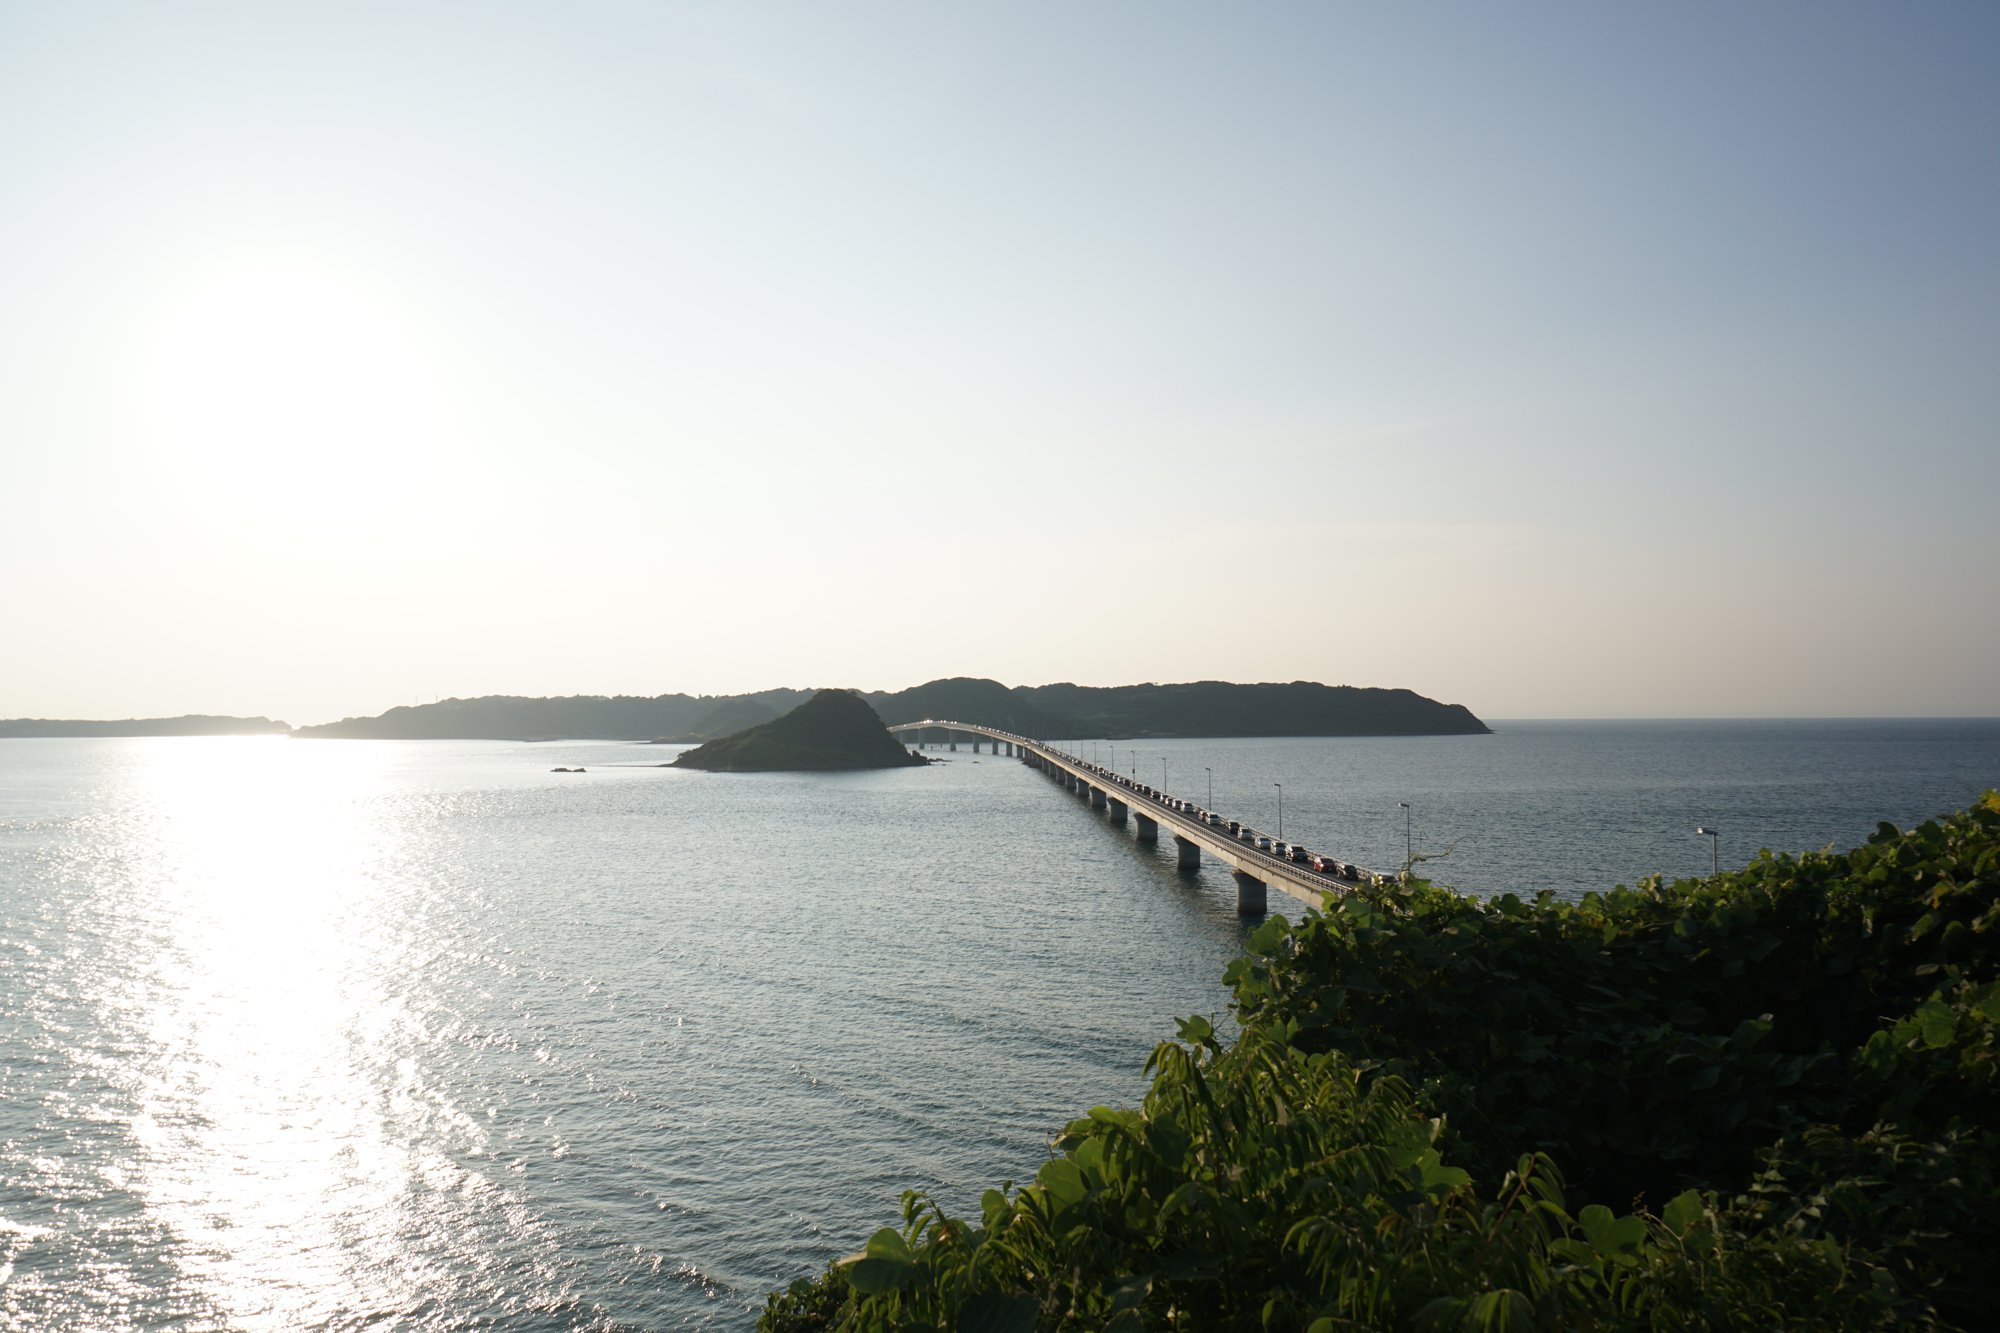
[835, 729]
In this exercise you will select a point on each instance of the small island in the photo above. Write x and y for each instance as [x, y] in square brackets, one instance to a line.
[833, 730]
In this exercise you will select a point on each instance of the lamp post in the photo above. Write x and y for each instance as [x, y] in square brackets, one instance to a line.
[1211, 787]
[1706, 832]
[1135, 762]
[1163, 774]
[1281, 809]
[1409, 854]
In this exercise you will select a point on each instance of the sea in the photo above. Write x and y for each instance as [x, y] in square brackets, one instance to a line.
[426, 1035]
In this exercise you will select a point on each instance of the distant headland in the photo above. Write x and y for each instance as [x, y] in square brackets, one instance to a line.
[1198, 708]
[833, 730]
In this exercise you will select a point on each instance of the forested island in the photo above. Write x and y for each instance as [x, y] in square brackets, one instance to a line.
[1200, 708]
[1763, 1099]
[191, 725]
[833, 730]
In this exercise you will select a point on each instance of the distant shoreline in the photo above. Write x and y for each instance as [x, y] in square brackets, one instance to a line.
[193, 724]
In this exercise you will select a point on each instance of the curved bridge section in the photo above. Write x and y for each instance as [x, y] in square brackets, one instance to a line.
[1256, 868]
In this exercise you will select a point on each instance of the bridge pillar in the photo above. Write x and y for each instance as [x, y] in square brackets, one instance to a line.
[951, 740]
[1249, 894]
[1187, 854]
[1118, 809]
[1097, 798]
[1148, 830]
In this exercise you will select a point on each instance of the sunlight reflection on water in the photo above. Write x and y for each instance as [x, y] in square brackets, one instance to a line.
[265, 998]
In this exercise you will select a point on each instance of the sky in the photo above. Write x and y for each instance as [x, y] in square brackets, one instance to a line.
[1558, 360]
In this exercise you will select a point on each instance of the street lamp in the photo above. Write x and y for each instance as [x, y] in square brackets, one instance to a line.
[1281, 809]
[1409, 854]
[1163, 773]
[1211, 787]
[1135, 762]
[1706, 832]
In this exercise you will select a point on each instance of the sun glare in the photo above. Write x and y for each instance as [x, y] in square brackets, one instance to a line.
[290, 384]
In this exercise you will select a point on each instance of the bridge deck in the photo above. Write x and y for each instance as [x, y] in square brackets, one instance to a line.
[1301, 882]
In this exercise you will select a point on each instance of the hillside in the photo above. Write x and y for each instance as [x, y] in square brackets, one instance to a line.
[1219, 708]
[835, 729]
[572, 717]
[729, 715]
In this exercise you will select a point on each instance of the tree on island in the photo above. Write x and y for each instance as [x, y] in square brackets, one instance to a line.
[833, 730]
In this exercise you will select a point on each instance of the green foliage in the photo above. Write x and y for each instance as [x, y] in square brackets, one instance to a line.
[1263, 1187]
[1658, 1037]
[1793, 1065]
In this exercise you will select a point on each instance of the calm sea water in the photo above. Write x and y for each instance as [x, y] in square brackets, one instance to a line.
[421, 1035]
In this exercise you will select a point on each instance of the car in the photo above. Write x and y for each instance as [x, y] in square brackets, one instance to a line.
[1282, 848]
[1301, 855]
[1234, 827]
[1214, 818]
[1247, 834]
[1263, 842]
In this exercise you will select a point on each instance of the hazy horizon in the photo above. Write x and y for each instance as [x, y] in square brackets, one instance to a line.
[1555, 360]
[1490, 719]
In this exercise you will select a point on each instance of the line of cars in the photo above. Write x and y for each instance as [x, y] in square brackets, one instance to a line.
[1293, 853]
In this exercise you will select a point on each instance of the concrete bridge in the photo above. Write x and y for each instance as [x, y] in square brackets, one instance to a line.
[1123, 798]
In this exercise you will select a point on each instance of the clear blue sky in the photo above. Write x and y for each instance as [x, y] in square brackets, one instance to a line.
[1556, 360]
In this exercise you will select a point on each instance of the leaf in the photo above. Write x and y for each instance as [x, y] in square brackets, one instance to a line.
[1130, 1292]
[1266, 938]
[1062, 1180]
[1196, 1030]
[1608, 1234]
[1444, 1179]
[1878, 1055]
[1683, 1212]
[872, 1277]
[993, 1312]
[888, 1243]
[1936, 1023]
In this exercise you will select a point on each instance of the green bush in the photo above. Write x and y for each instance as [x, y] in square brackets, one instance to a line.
[1774, 1091]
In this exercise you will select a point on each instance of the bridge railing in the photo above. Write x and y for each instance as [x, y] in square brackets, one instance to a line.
[1157, 803]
